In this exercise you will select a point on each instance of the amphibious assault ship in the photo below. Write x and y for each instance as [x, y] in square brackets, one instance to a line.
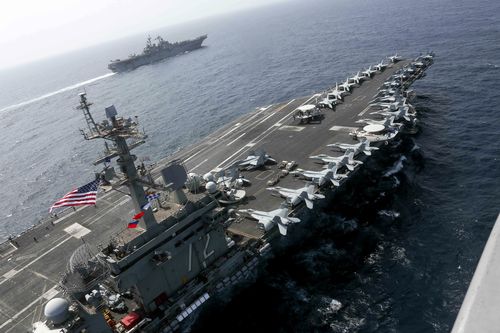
[154, 52]
[201, 231]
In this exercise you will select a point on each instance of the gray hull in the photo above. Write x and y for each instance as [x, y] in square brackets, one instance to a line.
[145, 59]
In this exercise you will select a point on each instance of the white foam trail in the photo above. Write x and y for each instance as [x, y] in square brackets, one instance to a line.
[398, 166]
[74, 86]
[390, 213]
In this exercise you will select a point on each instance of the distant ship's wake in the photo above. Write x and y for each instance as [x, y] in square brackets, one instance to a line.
[74, 86]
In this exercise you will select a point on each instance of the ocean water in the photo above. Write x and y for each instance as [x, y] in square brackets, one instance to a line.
[396, 250]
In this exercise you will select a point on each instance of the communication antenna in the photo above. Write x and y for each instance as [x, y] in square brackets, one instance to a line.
[118, 130]
[84, 106]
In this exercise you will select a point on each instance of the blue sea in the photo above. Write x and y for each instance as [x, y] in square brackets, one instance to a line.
[396, 250]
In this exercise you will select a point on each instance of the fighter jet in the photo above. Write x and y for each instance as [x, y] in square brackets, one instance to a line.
[321, 177]
[401, 112]
[363, 146]
[392, 105]
[395, 58]
[368, 72]
[385, 99]
[400, 76]
[387, 122]
[395, 83]
[267, 220]
[429, 56]
[254, 160]
[294, 197]
[346, 86]
[380, 66]
[330, 100]
[346, 160]
[339, 94]
[388, 92]
[357, 78]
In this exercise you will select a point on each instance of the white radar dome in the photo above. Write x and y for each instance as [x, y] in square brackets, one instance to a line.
[208, 177]
[211, 187]
[57, 310]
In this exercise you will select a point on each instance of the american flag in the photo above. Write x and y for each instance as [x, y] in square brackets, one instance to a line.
[84, 195]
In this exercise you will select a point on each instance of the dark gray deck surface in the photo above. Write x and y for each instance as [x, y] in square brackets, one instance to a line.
[28, 275]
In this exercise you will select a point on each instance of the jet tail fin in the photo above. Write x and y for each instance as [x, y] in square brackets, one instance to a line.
[309, 203]
[282, 228]
[283, 222]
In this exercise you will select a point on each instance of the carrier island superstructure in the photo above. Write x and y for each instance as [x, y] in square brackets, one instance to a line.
[206, 227]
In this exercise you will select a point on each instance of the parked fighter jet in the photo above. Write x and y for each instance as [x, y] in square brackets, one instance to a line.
[294, 197]
[395, 58]
[392, 83]
[321, 177]
[346, 86]
[363, 146]
[402, 112]
[385, 99]
[380, 66]
[346, 160]
[388, 92]
[267, 220]
[357, 78]
[329, 101]
[339, 94]
[254, 160]
[387, 122]
[368, 72]
[392, 105]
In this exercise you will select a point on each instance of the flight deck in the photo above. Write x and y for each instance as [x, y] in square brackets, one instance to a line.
[31, 264]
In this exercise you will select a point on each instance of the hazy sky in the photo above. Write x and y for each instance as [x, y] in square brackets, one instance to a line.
[32, 29]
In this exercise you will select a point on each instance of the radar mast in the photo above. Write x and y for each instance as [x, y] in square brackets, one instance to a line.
[118, 130]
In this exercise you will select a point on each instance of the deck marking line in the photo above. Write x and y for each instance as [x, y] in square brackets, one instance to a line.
[98, 217]
[264, 175]
[199, 164]
[266, 118]
[48, 292]
[291, 128]
[364, 111]
[38, 258]
[230, 143]
[10, 274]
[190, 157]
[264, 134]
[77, 230]
[226, 134]
[230, 157]
[343, 128]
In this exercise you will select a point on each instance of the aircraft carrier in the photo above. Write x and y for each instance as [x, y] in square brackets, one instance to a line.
[84, 270]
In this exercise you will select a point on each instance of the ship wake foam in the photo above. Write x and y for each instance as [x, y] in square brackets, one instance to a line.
[74, 86]
[398, 166]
